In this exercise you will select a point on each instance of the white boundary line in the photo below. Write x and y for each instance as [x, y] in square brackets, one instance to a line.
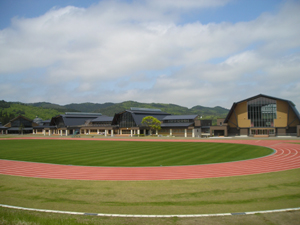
[140, 216]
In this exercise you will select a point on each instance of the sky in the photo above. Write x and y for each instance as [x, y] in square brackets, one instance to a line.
[184, 52]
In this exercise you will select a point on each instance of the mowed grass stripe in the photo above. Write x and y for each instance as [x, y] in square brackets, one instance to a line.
[61, 156]
[126, 153]
[212, 195]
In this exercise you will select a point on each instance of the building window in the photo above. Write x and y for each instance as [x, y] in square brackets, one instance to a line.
[262, 112]
[126, 132]
[262, 131]
[179, 121]
[126, 120]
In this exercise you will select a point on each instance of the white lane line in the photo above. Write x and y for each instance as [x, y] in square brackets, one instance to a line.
[159, 216]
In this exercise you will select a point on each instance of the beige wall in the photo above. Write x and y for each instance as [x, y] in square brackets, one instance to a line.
[282, 114]
[220, 122]
[285, 115]
[240, 116]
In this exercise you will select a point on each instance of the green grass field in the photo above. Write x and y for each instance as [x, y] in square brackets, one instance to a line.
[126, 153]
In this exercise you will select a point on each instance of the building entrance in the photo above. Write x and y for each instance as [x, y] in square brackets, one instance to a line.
[262, 131]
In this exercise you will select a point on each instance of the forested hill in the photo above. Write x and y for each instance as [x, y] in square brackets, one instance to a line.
[169, 108]
[10, 110]
[46, 110]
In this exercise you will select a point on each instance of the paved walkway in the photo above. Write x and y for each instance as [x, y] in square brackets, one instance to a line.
[286, 157]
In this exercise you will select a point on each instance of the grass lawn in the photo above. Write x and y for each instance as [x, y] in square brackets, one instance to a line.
[198, 196]
[126, 153]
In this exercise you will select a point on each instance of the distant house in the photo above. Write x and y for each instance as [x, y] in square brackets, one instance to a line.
[70, 122]
[20, 125]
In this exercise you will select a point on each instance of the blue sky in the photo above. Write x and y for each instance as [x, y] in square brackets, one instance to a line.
[191, 52]
[234, 11]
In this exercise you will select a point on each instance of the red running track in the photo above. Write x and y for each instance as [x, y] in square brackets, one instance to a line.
[286, 157]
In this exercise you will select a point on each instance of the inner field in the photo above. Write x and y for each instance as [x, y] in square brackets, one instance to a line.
[127, 153]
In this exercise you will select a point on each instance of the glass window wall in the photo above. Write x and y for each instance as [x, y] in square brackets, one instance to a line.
[126, 120]
[262, 112]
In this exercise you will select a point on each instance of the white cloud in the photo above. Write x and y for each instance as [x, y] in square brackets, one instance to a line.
[101, 53]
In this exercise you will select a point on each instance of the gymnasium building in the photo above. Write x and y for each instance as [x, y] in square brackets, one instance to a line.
[260, 116]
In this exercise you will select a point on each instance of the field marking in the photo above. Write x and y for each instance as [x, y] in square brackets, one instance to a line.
[148, 216]
[286, 157]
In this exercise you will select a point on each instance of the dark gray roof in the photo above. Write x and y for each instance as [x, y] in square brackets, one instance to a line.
[165, 125]
[82, 114]
[44, 126]
[17, 128]
[75, 119]
[138, 115]
[103, 119]
[45, 123]
[20, 116]
[79, 116]
[3, 128]
[180, 117]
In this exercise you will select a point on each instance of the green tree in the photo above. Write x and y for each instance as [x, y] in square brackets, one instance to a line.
[151, 123]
